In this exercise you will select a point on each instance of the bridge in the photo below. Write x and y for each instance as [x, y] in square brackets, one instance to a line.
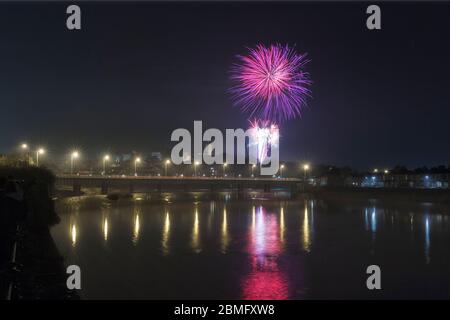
[144, 184]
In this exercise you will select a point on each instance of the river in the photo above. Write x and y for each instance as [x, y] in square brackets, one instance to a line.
[257, 248]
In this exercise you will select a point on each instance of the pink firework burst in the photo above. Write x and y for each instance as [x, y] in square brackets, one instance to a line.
[270, 82]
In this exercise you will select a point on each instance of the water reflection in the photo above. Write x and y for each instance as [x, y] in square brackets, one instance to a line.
[260, 249]
[73, 234]
[136, 229]
[224, 238]
[165, 235]
[282, 225]
[427, 239]
[195, 241]
[105, 229]
[306, 232]
[373, 220]
[266, 280]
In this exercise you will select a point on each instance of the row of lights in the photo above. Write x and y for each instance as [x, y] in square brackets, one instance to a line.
[39, 151]
[75, 155]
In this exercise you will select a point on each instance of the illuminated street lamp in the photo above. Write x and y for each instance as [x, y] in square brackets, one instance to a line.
[40, 151]
[196, 163]
[73, 156]
[253, 167]
[136, 161]
[105, 159]
[281, 170]
[386, 171]
[375, 170]
[305, 170]
[24, 149]
[165, 166]
[224, 168]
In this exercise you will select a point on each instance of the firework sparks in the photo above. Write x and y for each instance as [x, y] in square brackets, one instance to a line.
[266, 135]
[269, 83]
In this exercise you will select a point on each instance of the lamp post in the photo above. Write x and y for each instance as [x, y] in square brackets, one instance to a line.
[305, 170]
[281, 170]
[73, 156]
[224, 169]
[253, 167]
[165, 166]
[24, 148]
[196, 163]
[105, 158]
[38, 152]
[136, 161]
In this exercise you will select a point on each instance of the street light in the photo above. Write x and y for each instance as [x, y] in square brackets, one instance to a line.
[73, 156]
[24, 148]
[386, 171]
[281, 170]
[105, 158]
[375, 170]
[38, 152]
[305, 169]
[253, 167]
[224, 167]
[196, 163]
[136, 161]
[165, 166]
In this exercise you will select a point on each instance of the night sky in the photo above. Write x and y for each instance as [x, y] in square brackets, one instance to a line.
[136, 72]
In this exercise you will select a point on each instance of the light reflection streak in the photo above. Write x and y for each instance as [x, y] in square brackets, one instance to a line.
[165, 235]
[253, 217]
[136, 229]
[366, 219]
[282, 225]
[105, 229]
[306, 230]
[266, 280]
[373, 220]
[73, 234]
[427, 239]
[225, 238]
[195, 233]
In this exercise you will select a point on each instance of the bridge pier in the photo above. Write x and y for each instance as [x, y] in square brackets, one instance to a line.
[76, 187]
[240, 191]
[104, 188]
[293, 191]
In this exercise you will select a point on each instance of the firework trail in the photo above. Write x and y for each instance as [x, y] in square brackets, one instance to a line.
[270, 83]
[265, 135]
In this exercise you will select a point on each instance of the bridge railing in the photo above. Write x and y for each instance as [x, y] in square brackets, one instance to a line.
[196, 178]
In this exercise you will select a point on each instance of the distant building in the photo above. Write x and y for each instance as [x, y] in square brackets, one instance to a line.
[156, 156]
[3, 159]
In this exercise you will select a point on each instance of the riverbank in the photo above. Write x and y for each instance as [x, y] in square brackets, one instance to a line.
[398, 197]
[31, 266]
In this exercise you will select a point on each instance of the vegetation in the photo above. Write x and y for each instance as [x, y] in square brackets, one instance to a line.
[37, 185]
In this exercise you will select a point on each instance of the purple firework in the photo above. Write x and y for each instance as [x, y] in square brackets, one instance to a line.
[270, 82]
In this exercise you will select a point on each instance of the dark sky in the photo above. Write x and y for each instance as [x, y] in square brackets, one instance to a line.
[136, 72]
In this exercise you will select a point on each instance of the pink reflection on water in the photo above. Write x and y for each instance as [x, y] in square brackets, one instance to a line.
[265, 280]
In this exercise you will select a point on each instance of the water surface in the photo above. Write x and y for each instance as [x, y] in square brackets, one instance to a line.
[253, 249]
